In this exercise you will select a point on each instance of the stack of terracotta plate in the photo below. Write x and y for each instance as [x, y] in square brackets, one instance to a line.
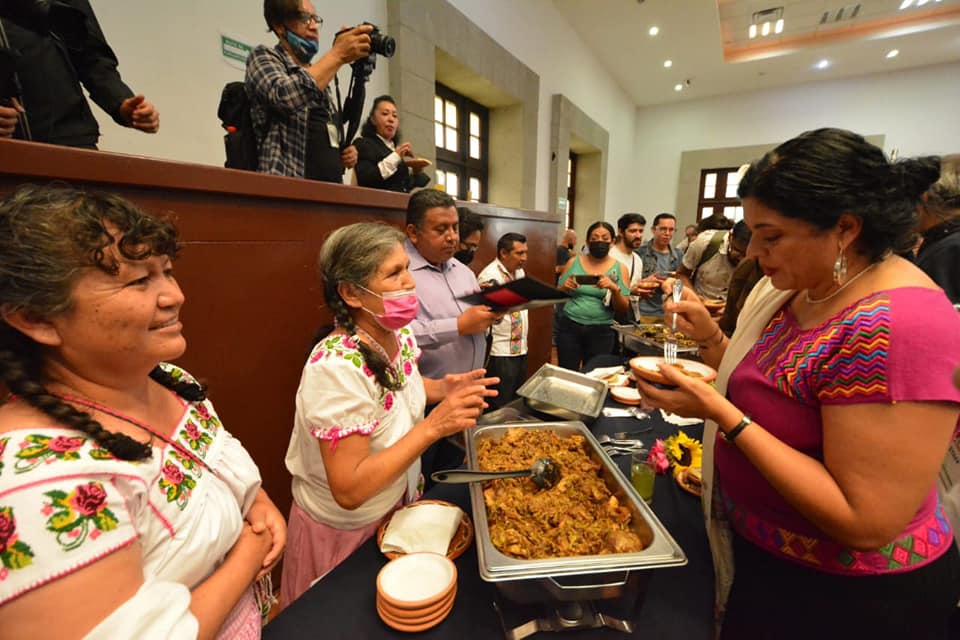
[416, 591]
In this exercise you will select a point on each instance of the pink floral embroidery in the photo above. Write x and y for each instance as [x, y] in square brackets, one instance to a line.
[350, 343]
[367, 371]
[334, 434]
[63, 444]
[407, 368]
[192, 431]
[318, 355]
[388, 401]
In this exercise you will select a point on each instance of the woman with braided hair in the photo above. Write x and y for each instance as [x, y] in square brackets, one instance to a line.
[125, 506]
[359, 428]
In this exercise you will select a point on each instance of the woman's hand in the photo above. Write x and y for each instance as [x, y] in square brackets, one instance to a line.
[693, 319]
[692, 398]
[460, 409]
[265, 517]
[454, 381]
[404, 150]
[251, 547]
[570, 283]
[606, 283]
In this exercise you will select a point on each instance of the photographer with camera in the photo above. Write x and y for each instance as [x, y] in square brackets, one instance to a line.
[47, 50]
[296, 121]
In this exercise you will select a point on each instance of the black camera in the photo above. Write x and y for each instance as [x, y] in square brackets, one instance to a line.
[380, 43]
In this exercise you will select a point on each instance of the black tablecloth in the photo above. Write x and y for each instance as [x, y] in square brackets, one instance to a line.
[678, 602]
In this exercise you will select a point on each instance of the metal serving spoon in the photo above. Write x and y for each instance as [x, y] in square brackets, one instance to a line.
[545, 473]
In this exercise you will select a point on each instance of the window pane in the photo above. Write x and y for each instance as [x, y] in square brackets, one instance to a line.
[733, 181]
[738, 215]
[711, 180]
[474, 124]
[474, 147]
[730, 212]
[441, 178]
[451, 115]
[438, 108]
[453, 184]
[474, 193]
[709, 190]
[569, 171]
[707, 212]
[438, 134]
[451, 139]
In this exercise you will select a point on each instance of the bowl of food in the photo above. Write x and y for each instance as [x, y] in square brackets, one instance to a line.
[713, 306]
[647, 368]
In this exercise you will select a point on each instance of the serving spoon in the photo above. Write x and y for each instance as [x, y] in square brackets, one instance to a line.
[545, 473]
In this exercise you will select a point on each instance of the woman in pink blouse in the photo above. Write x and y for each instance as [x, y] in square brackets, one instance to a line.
[833, 408]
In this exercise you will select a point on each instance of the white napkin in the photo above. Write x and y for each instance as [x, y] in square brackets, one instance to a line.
[425, 527]
[673, 418]
[603, 372]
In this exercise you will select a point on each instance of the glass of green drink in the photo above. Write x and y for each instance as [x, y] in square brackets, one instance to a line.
[642, 474]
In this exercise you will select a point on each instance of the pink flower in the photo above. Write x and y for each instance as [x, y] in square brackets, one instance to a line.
[367, 371]
[95, 534]
[4, 573]
[62, 444]
[658, 456]
[8, 529]
[172, 473]
[88, 499]
[192, 431]
[350, 343]
[317, 356]
[388, 401]
[203, 411]
[47, 509]
[407, 368]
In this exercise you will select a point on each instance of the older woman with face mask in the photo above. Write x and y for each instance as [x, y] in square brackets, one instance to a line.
[125, 506]
[359, 427]
[598, 285]
[833, 407]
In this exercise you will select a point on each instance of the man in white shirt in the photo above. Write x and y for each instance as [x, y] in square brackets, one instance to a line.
[508, 349]
[629, 239]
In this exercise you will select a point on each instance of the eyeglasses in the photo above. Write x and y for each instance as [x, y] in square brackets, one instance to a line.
[306, 18]
[665, 229]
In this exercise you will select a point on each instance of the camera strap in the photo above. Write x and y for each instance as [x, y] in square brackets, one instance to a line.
[17, 90]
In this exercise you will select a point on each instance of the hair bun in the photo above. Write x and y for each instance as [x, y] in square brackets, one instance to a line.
[913, 176]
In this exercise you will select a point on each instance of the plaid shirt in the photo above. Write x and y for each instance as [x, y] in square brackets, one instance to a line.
[281, 94]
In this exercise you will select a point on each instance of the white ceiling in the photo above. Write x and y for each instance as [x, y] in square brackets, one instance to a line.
[708, 43]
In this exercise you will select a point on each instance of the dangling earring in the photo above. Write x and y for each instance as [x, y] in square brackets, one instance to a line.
[840, 268]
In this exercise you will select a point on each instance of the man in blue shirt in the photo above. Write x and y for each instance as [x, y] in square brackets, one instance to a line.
[660, 259]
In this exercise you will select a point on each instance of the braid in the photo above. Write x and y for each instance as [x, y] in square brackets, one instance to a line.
[381, 369]
[21, 378]
[191, 391]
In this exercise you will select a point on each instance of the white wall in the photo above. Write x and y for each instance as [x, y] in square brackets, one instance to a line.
[916, 111]
[538, 35]
[170, 52]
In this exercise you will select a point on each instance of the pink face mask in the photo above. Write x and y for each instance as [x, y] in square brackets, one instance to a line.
[399, 308]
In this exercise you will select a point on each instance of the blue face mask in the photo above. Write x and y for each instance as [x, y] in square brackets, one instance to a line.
[302, 48]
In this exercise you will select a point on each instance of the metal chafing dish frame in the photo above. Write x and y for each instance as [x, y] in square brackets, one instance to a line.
[634, 342]
[535, 580]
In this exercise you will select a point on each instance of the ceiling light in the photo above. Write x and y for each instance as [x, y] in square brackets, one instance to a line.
[766, 21]
[678, 87]
[823, 64]
[667, 63]
[893, 53]
[905, 4]
[920, 3]
[654, 31]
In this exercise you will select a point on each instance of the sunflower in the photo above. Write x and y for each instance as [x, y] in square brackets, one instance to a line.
[684, 452]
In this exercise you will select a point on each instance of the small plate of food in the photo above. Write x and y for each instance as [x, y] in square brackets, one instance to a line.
[417, 163]
[713, 306]
[626, 395]
[646, 367]
[690, 480]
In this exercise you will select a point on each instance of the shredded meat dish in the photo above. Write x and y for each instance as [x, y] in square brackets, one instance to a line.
[576, 517]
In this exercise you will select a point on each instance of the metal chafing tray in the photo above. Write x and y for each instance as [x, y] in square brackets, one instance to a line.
[532, 580]
[563, 393]
[635, 337]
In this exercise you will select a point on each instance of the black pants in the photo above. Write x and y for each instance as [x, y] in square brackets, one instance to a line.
[512, 371]
[776, 599]
[577, 343]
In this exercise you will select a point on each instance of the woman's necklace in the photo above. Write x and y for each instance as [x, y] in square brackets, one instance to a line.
[119, 416]
[373, 343]
[842, 287]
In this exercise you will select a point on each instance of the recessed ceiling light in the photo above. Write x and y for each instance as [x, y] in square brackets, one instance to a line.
[753, 31]
[823, 64]
[893, 53]
[654, 31]
[678, 87]
[779, 26]
[668, 63]
[905, 4]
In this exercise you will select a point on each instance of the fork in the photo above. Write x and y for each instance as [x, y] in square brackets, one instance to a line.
[670, 344]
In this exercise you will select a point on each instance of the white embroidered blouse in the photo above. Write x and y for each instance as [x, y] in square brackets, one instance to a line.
[339, 396]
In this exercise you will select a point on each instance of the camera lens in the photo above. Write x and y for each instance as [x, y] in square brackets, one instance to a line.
[382, 44]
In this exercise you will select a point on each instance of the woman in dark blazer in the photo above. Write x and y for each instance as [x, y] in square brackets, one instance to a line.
[381, 159]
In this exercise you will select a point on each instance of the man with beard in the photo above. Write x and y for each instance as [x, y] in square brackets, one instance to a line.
[629, 239]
